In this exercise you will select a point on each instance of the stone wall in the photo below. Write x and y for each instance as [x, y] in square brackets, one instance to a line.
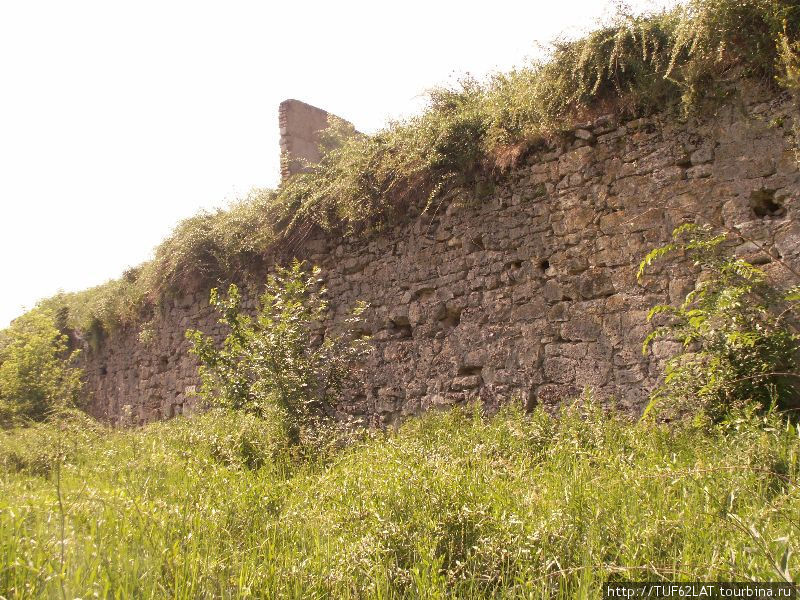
[525, 285]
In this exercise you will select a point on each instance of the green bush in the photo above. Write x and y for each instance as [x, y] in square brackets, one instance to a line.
[36, 372]
[201, 249]
[234, 439]
[738, 331]
[272, 361]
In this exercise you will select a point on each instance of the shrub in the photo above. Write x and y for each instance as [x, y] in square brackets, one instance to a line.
[236, 439]
[274, 359]
[36, 372]
[364, 181]
[737, 327]
[210, 244]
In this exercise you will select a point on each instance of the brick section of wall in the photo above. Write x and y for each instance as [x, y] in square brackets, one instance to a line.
[300, 125]
[525, 286]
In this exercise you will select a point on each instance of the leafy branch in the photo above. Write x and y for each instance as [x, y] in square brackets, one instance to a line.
[739, 342]
[279, 359]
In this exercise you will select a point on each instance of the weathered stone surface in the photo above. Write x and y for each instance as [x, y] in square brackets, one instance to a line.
[535, 297]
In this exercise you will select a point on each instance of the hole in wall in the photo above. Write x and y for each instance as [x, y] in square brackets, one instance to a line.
[471, 370]
[400, 326]
[530, 401]
[544, 265]
[423, 293]
[764, 204]
[451, 317]
[403, 331]
[451, 321]
[103, 370]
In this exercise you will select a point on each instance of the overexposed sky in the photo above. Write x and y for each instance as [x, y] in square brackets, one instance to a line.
[117, 119]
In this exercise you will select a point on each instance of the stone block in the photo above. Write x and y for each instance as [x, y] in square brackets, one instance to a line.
[559, 369]
[581, 329]
[466, 383]
[574, 161]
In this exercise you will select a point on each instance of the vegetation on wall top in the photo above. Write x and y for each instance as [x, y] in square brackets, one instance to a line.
[682, 58]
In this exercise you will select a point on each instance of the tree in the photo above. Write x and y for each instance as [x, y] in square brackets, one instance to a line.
[37, 375]
[279, 358]
[738, 331]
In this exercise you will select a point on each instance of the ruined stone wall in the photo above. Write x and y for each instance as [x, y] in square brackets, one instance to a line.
[524, 286]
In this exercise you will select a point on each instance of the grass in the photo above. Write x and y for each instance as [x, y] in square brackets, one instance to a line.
[637, 64]
[452, 505]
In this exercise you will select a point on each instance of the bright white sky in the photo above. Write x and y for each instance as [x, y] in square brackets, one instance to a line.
[117, 119]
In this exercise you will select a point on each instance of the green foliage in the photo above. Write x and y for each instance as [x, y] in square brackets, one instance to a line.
[452, 506]
[39, 447]
[273, 361]
[626, 62]
[644, 63]
[789, 73]
[720, 39]
[36, 372]
[366, 180]
[737, 329]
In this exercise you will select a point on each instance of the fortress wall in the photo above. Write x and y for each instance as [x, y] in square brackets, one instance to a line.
[524, 287]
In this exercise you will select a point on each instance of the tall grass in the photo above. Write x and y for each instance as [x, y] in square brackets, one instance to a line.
[453, 505]
[636, 64]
